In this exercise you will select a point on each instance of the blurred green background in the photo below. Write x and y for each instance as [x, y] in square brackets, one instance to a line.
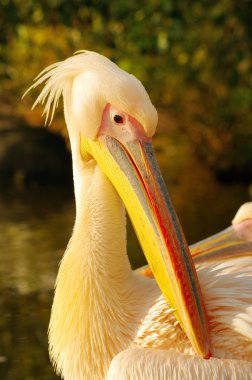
[194, 59]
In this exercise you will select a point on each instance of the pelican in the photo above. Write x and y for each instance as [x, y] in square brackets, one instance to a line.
[108, 321]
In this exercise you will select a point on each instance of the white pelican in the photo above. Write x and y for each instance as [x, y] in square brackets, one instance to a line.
[107, 321]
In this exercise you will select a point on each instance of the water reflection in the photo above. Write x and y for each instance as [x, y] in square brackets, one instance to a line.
[35, 227]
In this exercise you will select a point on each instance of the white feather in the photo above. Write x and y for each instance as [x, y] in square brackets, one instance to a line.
[105, 317]
[89, 81]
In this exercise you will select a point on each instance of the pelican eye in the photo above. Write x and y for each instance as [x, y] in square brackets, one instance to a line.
[118, 119]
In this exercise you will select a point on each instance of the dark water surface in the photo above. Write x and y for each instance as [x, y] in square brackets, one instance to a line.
[36, 225]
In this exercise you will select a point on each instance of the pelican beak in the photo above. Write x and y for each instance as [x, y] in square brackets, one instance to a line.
[134, 172]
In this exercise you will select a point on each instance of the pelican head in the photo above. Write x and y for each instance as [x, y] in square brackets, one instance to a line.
[111, 120]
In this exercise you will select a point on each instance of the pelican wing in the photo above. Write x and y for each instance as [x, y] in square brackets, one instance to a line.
[155, 364]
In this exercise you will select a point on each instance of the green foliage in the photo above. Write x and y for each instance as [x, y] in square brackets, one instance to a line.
[193, 57]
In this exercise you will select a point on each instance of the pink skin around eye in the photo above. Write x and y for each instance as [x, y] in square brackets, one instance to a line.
[244, 229]
[129, 130]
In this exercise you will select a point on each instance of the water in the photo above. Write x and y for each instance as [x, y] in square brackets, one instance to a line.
[35, 228]
[36, 225]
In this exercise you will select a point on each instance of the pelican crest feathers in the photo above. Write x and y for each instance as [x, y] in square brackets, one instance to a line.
[88, 81]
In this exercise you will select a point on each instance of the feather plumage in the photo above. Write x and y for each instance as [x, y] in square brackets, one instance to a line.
[88, 81]
[107, 320]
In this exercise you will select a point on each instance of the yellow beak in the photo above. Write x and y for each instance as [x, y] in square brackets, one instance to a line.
[133, 170]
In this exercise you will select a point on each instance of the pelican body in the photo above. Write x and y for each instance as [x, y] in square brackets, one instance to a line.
[107, 321]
